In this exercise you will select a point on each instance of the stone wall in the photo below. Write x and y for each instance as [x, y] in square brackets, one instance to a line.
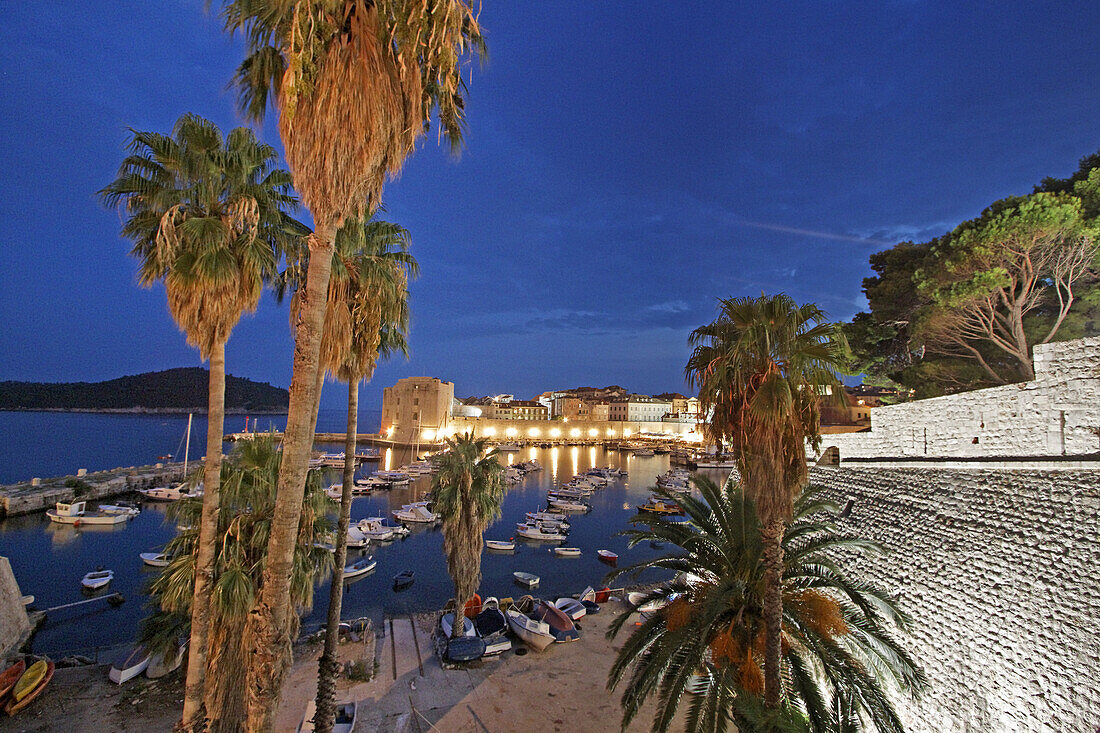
[14, 626]
[1001, 573]
[1057, 414]
[28, 497]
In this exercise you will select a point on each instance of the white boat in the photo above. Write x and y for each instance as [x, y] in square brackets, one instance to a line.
[500, 545]
[335, 492]
[165, 493]
[588, 594]
[537, 533]
[569, 505]
[394, 477]
[447, 624]
[536, 634]
[362, 566]
[608, 556]
[561, 626]
[571, 607]
[76, 515]
[345, 717]
[567, 551]
[154, 559]
[635, 598]
[356, 538]
[126, 509]
[528, 579]
[373, 528]
[508, 448]
[129, 664]
[98, 579]
[643, 452]
[547, 517]
[161, 665]
[415, 513]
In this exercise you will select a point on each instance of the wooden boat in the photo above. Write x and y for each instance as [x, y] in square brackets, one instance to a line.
[500, 545]
[76, 515]
[561, 626]
[608, 557]
[567, 551]
[661, 507]
[164, 664]
[10, 676]
[344, 722]
[154, 559]
[362, 566]
[403, 580]
[528, 579]
[30, 686]
[129, 664]
[571, 607]
[446, 623]
[534, 633]
[97, 579]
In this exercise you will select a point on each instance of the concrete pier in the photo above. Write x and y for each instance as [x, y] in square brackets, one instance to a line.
[38, 495]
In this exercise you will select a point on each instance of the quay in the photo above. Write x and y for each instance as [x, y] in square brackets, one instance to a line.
[38, 495]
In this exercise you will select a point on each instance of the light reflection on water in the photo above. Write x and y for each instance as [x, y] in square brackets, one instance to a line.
[49, 560]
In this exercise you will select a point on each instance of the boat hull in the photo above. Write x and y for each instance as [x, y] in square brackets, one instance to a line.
[129, 666]
[531, 632]
[15, 705]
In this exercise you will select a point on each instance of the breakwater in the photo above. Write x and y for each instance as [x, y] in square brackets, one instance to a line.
[38, 495]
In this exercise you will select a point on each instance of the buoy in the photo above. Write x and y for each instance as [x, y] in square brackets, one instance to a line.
[76, 523]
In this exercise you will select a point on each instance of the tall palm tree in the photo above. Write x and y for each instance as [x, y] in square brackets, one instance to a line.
[207, 217]
[761, 368]
[355, 83]
[367, 318]
[249, 479]
[840, 634]
[467, 491]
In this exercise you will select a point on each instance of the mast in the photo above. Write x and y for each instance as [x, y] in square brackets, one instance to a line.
[187, 445]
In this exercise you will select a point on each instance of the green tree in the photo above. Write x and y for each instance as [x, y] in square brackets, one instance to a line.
[249, 479]
[367, 318]
[761, 368]
[992, 273]
[355, 84]
[467, 491]
[841, 647]
[207, 217]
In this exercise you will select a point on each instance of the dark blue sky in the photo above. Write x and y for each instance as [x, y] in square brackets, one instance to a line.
[626, 165]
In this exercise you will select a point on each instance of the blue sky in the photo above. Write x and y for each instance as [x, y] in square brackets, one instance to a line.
[623, 170]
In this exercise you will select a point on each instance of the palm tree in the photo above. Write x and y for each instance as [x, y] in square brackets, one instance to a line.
[249, 479]
[355, 83]
[467, 491]
[761, 368]
[207, 218]
[839, 634]
[367, 317]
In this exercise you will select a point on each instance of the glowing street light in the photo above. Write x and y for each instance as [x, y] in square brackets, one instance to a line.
[555, 433]
[510, 432]
[592, 433]
[489, 432]
[428, 435]
[575, 433]
[533, 432]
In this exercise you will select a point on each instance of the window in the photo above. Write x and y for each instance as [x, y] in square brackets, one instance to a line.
[416, 401]
[416, 416]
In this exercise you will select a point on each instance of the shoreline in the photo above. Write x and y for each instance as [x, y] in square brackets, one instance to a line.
[146, 410]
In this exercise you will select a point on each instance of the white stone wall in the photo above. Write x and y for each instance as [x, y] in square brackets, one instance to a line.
[14, 626]
[1000, 571]
[1054, 415]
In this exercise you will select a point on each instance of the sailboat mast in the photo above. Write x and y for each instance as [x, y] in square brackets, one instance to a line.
[187, 445]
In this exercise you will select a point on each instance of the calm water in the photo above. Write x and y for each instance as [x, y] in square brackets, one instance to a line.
[49, 559]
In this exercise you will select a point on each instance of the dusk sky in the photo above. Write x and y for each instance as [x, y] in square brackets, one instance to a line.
[626, 165]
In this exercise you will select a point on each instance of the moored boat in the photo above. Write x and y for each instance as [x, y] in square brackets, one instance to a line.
[360, 567]
[415, 513]
[154, 559]
[97, 579]
[403, 579]
[607, 556]
[528, 579]
[500, 545]
[129, 664]
[75, 514]
[567, 551]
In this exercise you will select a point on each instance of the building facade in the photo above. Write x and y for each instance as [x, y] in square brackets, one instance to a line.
[415, 405]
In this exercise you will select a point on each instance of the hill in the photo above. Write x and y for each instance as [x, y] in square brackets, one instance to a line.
[173, 390]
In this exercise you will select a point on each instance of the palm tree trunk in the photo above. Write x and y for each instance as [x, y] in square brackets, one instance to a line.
[327, 667]
[194, 687]
[772, 536]
[269, 623]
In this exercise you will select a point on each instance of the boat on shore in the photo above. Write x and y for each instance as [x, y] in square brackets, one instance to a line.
[571, 607]
[129, 665]
[532, 632]
[346, 714]
[490, 625]
[29, 686]
[561, 626]
[161, 665]
[10, 676]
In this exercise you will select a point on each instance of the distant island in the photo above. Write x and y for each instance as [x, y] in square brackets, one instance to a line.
[172, 390]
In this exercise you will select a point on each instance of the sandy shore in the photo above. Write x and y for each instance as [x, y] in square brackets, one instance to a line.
[561, 689]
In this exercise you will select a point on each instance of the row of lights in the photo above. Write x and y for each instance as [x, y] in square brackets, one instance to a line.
[512, 433]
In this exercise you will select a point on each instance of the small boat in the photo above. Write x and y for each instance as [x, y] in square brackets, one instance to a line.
[97, 579]
[154, 559]
[508, 448]
[590, 607]
[30, 685]
[415, 513]
[343, 723]
[161, 665]
[637, 599]
[500, 545]
[403, 580]
[76, 515]
[129, 664]
[548, 517]
[569, 505]
[538, 533]
[465, 648]
[561, 626]
[362, 566]
[472, 607]
[26, 601]
[608, 556]
[490, 626]
[10, 676]
[355, 538]
[567, 551]
[588, 594]
[446, 623]
[372, 528]
[528, 579]
[661, 507]
[603, 595]
[128, 510]
[571, 607]
[643, 452]
[165, 493]
[536, 634]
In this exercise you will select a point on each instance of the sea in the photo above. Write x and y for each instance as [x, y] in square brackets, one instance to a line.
[49, 560]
